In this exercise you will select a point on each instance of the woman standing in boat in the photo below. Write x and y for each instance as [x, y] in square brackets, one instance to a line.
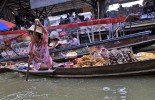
[39, 52]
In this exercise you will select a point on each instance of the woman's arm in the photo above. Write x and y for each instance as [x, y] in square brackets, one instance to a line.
[54, 45]
[44, 30]
[51, 47]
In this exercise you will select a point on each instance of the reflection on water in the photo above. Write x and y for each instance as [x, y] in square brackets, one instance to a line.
[14, 87]
[115, 93]
[29, 93]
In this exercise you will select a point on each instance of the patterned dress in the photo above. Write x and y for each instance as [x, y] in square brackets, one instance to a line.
[41, 53]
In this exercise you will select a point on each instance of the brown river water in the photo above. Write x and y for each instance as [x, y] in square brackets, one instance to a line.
[14, 87]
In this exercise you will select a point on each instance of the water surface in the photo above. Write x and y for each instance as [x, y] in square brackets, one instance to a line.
[14, 87]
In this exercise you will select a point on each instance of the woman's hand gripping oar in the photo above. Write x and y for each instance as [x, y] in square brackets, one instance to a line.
[31, 52]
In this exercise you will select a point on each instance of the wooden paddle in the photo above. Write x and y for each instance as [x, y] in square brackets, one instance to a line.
[30, 56]
[27, 72]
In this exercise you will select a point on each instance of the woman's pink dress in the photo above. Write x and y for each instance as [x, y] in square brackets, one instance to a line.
[41, 53]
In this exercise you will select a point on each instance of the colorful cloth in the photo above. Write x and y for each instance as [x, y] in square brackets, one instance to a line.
[41, 53]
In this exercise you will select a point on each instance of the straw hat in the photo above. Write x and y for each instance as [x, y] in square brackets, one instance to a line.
[54, 35]
[38, 29]
[63, 33]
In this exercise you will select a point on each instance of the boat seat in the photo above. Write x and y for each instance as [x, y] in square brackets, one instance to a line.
[84, 30]
[90, 29]
[117, 30]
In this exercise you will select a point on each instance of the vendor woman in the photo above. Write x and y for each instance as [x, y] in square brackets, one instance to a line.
[73, 40]
[53, 40]
[39, 52]
[57, 40]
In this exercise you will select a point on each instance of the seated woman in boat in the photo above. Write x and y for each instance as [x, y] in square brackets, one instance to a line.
[39, 53]
[53, 40]
[73, 40]
[63, 39]
[57, 40]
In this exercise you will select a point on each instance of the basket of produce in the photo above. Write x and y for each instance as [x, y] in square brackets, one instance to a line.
[141, 56]
[71, 55]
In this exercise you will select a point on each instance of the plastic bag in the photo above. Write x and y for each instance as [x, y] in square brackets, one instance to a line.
[97, 54]
[128, 54]
[105, 53]
[112, 59]
[119, 56]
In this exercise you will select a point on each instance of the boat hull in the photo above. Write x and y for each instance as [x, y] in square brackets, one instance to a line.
[4, 70]
[141, 67]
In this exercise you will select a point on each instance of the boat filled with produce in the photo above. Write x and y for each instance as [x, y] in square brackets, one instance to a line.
[99, 62]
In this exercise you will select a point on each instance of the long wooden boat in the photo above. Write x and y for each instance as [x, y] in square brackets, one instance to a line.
[141, 67]
[133, 40]
[3, 70]
[139, 25]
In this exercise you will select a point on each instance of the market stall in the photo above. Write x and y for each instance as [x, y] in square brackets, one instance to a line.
[14, 43]
[137, 39]
[91, 31]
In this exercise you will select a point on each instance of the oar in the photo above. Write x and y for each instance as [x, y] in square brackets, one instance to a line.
[30, 57]
[27, 73]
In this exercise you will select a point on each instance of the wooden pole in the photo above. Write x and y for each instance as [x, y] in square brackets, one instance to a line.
[89, 37]
[100, 37]
[98, 9]
[92, 33]
[27, 73]
[77, 34]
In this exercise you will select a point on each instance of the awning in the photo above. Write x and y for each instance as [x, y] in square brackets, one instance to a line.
[93, 22]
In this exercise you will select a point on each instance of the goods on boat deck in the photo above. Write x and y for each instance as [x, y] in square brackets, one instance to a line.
[141, 56]
[20, 48]
[89, 60]
[9, 64]
[102, 57]
[71, 55]
[97, 58]
[115, 57]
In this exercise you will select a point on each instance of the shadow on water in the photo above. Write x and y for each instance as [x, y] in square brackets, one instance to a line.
[14, 87]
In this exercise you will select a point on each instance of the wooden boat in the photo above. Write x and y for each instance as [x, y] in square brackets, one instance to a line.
[134, 40]
[3, 70]
[141, 67]
[140, 23]
[6, 66]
